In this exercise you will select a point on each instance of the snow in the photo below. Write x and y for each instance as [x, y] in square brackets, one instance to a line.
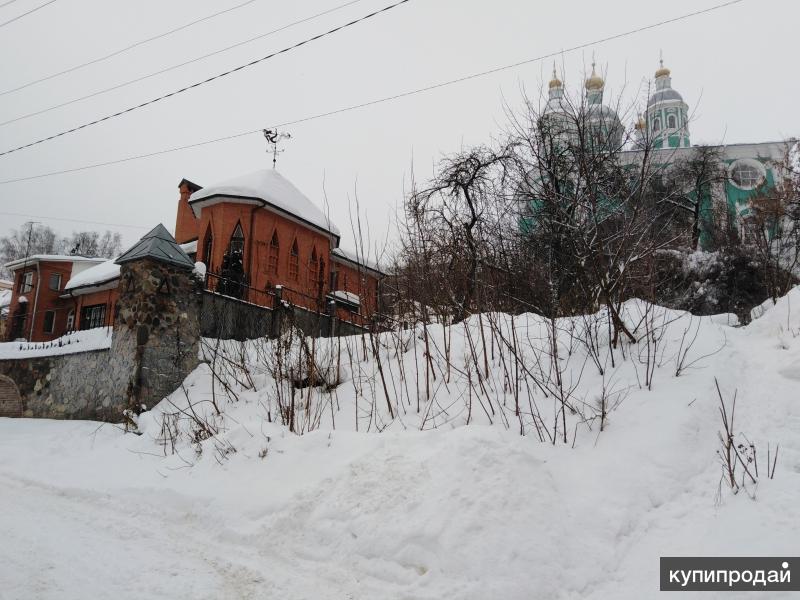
[189, 247]
[357, 258]
[346, 296]
[99, 274]
[430, 507]
[70, 343]
[200, 270]
[14, 264]
[270, 186]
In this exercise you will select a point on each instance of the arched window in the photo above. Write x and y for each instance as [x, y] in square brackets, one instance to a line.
[234, 279]
[672, 122]
[294, 262]
[208, 244]
[313, 269]
[656, 124]
[272, 259]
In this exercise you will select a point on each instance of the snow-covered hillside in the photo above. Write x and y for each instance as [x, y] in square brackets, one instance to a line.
[422, 464]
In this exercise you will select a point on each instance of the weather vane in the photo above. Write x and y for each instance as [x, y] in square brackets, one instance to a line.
[273, 139]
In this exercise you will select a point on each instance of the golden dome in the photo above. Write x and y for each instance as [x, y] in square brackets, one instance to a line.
[595, 82]
[555, 82]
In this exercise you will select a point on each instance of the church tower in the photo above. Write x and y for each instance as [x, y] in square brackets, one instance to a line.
[667, 114]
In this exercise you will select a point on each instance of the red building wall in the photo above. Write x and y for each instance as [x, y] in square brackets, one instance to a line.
[361, 282]
[258, 226]
[108, 298]
[187, 227]
[48, 300]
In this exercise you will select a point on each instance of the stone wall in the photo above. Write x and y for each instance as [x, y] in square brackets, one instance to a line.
[84, 385]
[158, 321]
[154, 346]
[10, 401]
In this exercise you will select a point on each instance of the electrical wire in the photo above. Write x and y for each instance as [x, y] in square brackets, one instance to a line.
[25, 14]
[209, 79]
[381, 100]
[164, 70]
[126, 48]
[51, 218]
[7, 3]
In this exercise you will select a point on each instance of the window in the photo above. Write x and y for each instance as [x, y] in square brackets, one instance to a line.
[49, 321]
[272, 258]
[672, 122]
[208, 244]
[313, 269]
[656, 124]
[747, 173]
[294, 262]
[26, 282]
[70, 321]
[55, 281]
[93, 316]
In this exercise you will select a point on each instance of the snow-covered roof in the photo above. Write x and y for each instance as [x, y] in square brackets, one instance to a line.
[268, 188]
[353, 257]
[97, 275]
[31, 260]
[349, 297]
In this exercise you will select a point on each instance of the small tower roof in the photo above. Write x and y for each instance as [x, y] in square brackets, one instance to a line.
[555, 82]
[160, 246]
[595, 82]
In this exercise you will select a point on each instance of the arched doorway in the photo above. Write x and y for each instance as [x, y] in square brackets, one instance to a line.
[10, 401]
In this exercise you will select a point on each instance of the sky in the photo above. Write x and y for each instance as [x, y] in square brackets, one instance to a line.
[734, 67]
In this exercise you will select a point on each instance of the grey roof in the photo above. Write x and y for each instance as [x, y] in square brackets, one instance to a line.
[160, 246]
[662, 95]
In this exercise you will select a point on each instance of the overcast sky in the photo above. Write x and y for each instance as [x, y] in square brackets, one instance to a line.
[735, 67]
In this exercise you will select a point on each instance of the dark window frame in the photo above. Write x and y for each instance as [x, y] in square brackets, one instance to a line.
[51, 316]
[58, 285]
[93, 316]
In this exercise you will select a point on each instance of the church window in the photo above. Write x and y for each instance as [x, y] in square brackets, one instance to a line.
[294, 262]
[208, 243]
[272, 259]
[656, 124]
[234, 280]
[313, 269]
[671, 122]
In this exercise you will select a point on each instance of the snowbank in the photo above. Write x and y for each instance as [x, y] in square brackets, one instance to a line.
[449, 500]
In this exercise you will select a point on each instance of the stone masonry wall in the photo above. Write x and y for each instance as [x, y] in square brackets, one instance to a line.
[159, 321]
[84, 385]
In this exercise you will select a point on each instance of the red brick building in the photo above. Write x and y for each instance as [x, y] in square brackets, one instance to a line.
[258, 231]
[40, 310]
[258, 236]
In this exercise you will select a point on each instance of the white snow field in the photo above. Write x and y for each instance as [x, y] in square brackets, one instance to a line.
[421, 505]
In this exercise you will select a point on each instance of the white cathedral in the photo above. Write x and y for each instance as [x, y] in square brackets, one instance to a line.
[751, 168]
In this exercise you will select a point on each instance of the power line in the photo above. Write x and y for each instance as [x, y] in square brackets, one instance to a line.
[126, 48]
[161, 71]
[25, 14]
[209, 79]
[380, 100]
[7, 3]
[50, 218]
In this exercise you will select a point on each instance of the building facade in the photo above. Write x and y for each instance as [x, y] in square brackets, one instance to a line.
[746, 171]
[261, 241]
